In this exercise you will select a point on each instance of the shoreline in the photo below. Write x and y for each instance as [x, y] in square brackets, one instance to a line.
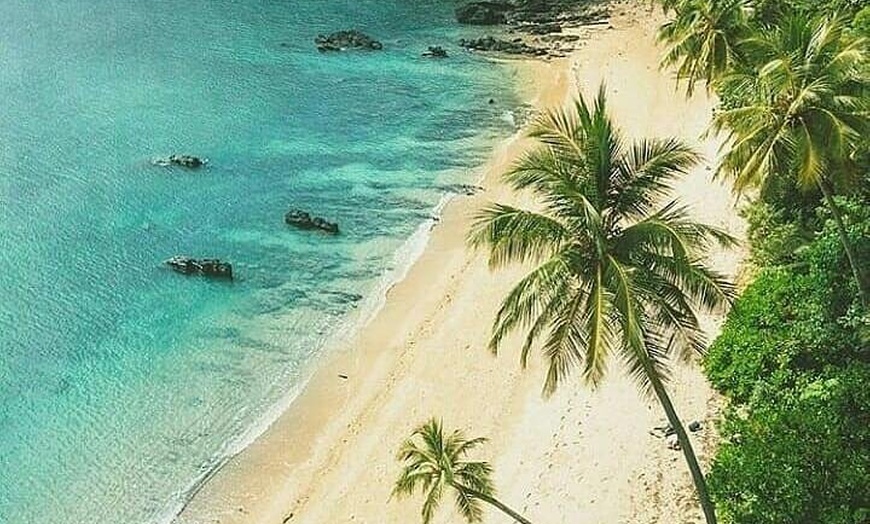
[329, 456]
[335, 357]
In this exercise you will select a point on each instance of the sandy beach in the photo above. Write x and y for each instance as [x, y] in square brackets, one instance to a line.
[580, 456]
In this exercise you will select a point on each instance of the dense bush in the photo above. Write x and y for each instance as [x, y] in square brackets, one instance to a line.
[801, 454]
[793, 319]
[794, 359]
[772, 10]
[861, 22]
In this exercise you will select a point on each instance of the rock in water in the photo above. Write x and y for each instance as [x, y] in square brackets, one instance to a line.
[188, 161]
[483, 13]
[210, 267]
[341, 40]
[304, 220]
[435, 51]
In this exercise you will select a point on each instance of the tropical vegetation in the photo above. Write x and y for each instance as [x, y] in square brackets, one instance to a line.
[620, 267]
[793, 357]
[434, 463]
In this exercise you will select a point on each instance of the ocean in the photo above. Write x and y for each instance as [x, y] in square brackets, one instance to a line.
[123, 384]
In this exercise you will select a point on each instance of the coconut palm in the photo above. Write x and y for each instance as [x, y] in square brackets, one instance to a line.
[435, 463]
[617, 274]
[703, 38]
[801, 113]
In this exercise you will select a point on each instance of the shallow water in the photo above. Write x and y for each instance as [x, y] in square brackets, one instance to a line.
[122, 383]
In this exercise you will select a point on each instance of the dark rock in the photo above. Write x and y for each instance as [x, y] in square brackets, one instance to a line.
[435, 51]
[188, 161]
[483, 13]
[304, 220]
[463, 189]
[210, 267]
[341, 40]
[695, 426]
[489, 43]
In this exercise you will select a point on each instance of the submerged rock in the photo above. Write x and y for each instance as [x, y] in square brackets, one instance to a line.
[341, 40]
[483, 13]
[463, 189]
[304, 220]
[435, 51]
[210, 267]
[188, 161]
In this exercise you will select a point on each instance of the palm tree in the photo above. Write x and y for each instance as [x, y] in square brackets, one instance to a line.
[703, 38]
[801, 113]
[435, 463]
[616, 275]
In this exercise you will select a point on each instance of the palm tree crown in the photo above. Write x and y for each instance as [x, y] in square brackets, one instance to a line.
[615, 272]
[802, 109]
[703, 38]
[435, 463]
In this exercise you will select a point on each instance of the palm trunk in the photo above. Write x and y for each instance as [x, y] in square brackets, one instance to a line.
[494, 502]
[847, 245]
[685, 445]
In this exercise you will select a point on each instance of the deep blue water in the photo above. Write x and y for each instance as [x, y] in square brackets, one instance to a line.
[122, 383]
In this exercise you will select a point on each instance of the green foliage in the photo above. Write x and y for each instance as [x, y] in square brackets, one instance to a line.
[773, 239]
[794, 358]
[703, 38]
[801, 455]
[770, 11]
[794, 319]
[861, 22]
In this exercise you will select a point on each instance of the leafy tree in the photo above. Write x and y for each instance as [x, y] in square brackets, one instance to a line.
[772, 11]
[801, 114]
[617, 274]
[800, 455]
[434, 463]
[703, 38]
[794, 359]
[861, 22]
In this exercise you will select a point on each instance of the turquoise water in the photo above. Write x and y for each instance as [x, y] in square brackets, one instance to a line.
[123, 384]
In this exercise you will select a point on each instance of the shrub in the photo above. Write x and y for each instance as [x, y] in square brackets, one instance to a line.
[794, 358]
[801, 456]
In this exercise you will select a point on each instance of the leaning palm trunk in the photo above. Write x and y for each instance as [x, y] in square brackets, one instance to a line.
[857, 271]
[686, 445]
[493, 502]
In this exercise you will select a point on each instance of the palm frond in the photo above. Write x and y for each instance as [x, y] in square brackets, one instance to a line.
[564, 346]
[468, 506]
[646, 173]
[516, 235]
[535, 296]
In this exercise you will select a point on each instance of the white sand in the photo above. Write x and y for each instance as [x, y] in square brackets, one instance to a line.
[579, 457]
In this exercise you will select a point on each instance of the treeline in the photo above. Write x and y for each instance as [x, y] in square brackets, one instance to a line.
[793, 357]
